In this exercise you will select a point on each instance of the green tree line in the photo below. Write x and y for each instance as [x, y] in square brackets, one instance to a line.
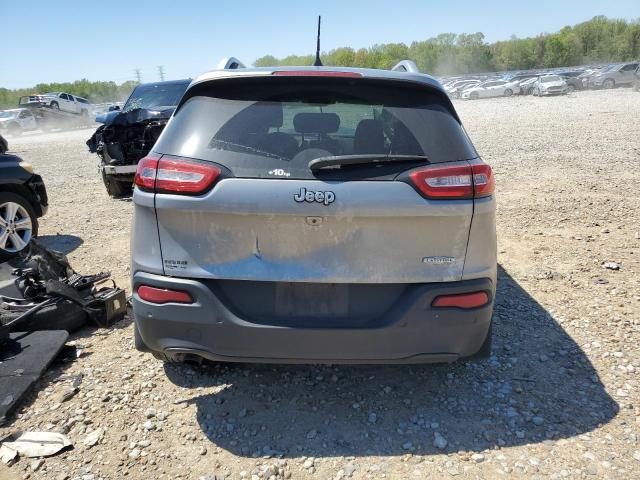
[598, 40]
[95, 92]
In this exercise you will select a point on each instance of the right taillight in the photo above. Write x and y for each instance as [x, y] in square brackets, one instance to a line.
[165, 174]
[473, 180]
[483, 181]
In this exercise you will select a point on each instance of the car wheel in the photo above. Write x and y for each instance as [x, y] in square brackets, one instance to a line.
[508, 92]
[18, 224]
[473, 95]
[55, 105]
[116, 188]
[609, 83]
[570, 88]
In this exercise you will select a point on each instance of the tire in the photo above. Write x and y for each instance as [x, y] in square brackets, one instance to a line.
[530, 91]
[508, 92]
[9, 245]
[609, 83]
[55, 105]
[474, 96]
[571, 89]
[116, 188]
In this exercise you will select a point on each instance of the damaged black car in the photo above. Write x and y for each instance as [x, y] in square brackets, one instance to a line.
[129, 134]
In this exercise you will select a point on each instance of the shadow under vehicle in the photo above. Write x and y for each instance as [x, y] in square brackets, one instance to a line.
[127, 135]
[538, 386]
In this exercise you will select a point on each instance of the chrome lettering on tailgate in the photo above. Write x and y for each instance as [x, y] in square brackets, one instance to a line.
[438, 260]
[310, 196]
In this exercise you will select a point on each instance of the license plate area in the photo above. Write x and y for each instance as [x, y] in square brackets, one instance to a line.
[311, 300]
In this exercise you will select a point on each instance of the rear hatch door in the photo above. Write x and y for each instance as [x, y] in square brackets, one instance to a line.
[270, 217]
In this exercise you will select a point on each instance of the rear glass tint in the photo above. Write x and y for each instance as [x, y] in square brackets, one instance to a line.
[273, 127]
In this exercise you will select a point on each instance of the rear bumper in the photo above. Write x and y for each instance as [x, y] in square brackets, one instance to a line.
[411, 331]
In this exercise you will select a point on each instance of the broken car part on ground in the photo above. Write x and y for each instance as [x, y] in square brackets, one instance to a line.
[42, 299]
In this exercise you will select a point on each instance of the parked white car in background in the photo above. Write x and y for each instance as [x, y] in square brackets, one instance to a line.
[455, 89]
[17, 120]
[550, 85]
[491, 88]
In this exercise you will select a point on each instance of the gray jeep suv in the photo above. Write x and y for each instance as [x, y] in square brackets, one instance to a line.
[318, 214]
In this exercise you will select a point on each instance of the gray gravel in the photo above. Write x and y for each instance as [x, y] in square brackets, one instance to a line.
[558, 399]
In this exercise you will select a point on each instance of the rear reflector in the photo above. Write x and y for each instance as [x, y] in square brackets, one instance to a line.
[315, 73]
[162, 295]
[165, 174]
[474, 180]
[463, 300]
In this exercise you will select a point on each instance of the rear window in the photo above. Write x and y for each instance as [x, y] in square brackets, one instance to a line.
[273, 127]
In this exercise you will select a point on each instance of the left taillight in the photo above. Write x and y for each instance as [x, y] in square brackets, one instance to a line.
[146, 172]
[165, 174]
[474, 180]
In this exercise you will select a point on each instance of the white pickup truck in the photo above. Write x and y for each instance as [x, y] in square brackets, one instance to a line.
[17, 120]
[61, 101]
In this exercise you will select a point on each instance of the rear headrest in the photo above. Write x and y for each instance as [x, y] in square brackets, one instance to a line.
[316, 122]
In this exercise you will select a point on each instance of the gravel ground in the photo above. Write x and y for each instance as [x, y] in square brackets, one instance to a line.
[559, 398]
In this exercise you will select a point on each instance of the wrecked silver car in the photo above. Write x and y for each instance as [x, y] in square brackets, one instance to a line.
[127, 135]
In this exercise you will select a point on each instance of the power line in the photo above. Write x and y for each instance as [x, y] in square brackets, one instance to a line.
[161, 72]
[138, 75]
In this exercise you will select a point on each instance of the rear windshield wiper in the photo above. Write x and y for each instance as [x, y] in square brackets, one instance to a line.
[345, 160]
[235, 147]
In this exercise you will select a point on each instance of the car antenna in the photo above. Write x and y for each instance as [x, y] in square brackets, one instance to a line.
[318, 62]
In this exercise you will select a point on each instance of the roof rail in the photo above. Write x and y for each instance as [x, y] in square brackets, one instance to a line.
[406, 66]
[230, 63]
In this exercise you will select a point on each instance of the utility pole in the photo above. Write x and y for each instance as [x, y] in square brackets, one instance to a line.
[161, 72]
[138, 75]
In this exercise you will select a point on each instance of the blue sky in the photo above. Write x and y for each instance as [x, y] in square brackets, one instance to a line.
[64, 41]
